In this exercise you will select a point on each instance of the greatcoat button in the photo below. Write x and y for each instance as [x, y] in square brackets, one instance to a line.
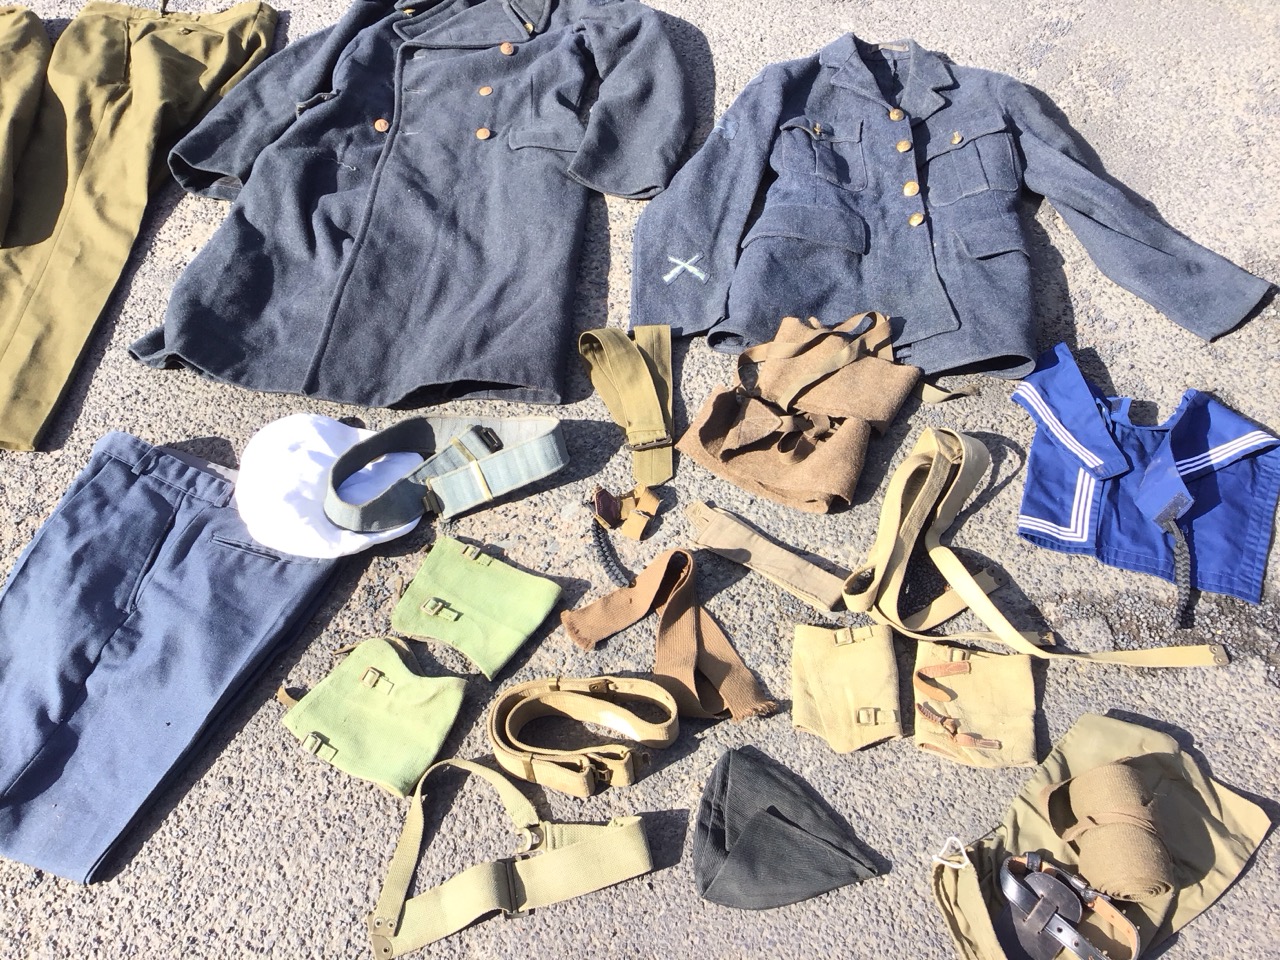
[506, 48]
[382, 124]
[484, 133]
[916, 219]
[904, 146]
[896, 114]
[910, 188]
[409, 11]
[956, 138]
[485, 91]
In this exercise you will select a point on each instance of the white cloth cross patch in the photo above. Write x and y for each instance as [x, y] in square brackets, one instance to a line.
[681, 266]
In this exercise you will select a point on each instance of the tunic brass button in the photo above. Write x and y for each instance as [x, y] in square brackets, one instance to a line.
[956, 138]
[904, 146]
[916, 219]
[895, 114]
[910, 188]
[506, 48]
[528, 27]
[382, 125]
[484, 133]
[409, 11]
[485, 91]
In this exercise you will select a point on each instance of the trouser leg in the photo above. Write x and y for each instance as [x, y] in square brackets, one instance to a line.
[122, 84]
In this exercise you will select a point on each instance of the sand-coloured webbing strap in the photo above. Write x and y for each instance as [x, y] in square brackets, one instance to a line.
[602, 701]
[565, 860]
[731, 537]
[925, 494]
[633, 378]
[694, 659]
[469, 461]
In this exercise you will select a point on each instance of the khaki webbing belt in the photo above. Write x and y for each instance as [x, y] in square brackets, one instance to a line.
[694, 659]
[597, 700]
[633, 378]
[924, 497]
[564, 860]
[730, 537]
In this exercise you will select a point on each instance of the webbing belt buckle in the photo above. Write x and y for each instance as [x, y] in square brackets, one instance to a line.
[490, 438]
[531, 838]
[663, 441]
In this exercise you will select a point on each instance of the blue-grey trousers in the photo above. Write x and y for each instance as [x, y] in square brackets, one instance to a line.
[133, 618]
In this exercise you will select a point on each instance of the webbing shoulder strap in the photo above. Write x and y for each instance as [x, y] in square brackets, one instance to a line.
[602, 701]
[728, 536]
[924, 497]
[469, 461]
[564, 860]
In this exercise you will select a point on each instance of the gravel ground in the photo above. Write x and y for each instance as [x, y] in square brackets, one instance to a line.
[259, 850]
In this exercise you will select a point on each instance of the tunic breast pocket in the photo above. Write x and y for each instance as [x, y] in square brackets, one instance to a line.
[970, 157]
[817, 148]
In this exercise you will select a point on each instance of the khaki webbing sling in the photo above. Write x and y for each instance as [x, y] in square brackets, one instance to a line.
[923, 499]
[633, 378]
[564, 860]
[731, 537]
[694, 659]
[598, 700]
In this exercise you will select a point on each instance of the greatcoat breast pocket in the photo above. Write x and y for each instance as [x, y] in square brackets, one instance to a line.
[819, 148]
[968, 156]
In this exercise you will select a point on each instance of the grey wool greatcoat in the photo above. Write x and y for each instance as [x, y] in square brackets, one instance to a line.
[890, 181]
[410, 188]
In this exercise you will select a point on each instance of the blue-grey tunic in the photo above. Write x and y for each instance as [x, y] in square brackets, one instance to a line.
[890, 180]
[410, 190]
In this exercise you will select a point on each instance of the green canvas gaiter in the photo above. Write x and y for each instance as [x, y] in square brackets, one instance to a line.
[375, 717]
[483, 608]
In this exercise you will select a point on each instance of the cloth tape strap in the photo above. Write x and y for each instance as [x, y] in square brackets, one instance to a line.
[731, 537]
[925, 495]
[601, 701]
[1037, 907]
[468, 461]
[565, 860]
[633, 378]
[694, 659]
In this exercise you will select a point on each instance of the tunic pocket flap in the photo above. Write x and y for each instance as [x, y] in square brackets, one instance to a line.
[992, 236]
[813, 224]
[552, 136]
[955, 133]
[848, 131]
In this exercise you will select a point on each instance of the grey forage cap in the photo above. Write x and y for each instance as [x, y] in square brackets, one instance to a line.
[762, 840]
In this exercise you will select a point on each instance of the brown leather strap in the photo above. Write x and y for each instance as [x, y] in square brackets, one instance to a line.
[693, 659]
[952, 727]
[931, 690]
